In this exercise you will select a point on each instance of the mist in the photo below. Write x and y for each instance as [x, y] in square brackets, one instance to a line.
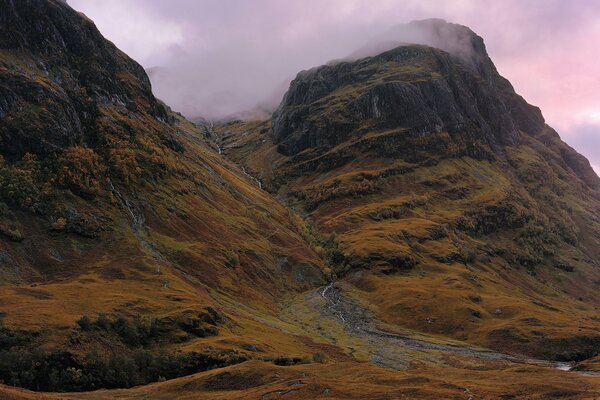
[218, 59]
[251, 82]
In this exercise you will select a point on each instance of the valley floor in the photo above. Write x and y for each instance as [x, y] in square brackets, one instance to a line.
[362, 335]
[376, 361]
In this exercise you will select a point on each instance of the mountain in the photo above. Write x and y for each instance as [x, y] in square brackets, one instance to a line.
[415, 210]
[121, 229]
[453, 209]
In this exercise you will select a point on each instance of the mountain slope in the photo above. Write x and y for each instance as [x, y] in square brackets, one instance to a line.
[452, 207]
[122, 232]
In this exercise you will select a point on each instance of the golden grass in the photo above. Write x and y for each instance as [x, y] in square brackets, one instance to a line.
[205, 209]
[398, 217]
[352, 380]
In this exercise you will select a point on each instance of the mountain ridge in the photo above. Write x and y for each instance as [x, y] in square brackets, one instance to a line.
[517, 114]
[123, 234]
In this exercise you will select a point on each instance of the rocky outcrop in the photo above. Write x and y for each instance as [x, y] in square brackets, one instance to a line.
[65, 71]
[419, 89]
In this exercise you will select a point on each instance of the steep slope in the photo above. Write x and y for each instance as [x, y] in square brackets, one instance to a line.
[116, 215]
[440, 194]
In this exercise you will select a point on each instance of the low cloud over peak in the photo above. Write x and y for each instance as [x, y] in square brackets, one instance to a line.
[218, 58]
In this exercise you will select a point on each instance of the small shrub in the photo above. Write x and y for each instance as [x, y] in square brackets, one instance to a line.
[16, 235]
[469, 256]
[85, 323]
[287, 361]
[231, 259]
[20, 184]
[336, 259]
[319, 358]
[103, 322]
[564, 266]
[80, 169]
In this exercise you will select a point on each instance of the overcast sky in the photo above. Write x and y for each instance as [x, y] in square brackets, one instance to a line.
[218, 57]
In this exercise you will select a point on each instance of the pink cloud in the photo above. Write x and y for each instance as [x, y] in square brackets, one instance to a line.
[562, 77]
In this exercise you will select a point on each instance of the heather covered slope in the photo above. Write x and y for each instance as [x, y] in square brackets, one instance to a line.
[349, 380]
[89, 153]
[122, 233]
[441, 195]
[119, 169]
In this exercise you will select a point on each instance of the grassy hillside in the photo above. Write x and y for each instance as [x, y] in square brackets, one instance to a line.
[125, 238]
[350, 380]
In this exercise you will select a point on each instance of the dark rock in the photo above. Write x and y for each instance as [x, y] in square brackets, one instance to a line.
[54, 101]
[421, 90]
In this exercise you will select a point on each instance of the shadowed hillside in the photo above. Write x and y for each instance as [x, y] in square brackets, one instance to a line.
[122, 232]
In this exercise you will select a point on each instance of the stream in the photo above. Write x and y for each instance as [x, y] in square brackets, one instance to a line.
[393, 350]
[137, 226]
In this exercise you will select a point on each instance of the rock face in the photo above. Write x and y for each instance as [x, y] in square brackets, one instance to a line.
[430, 102]
[65, 71]
[421, 90]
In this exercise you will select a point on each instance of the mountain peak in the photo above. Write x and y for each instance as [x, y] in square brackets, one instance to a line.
[419, 88]
[417, 156]
[67, 73]
[458, 40]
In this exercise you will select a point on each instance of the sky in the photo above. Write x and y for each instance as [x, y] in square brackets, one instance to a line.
[217, 58]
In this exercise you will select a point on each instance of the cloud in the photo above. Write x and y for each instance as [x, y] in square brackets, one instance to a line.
[215, 58]
[142, 32]
[586, 140]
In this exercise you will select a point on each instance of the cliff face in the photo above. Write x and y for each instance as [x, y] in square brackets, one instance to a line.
[420, 89]
[56, 63]
[423, 93]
